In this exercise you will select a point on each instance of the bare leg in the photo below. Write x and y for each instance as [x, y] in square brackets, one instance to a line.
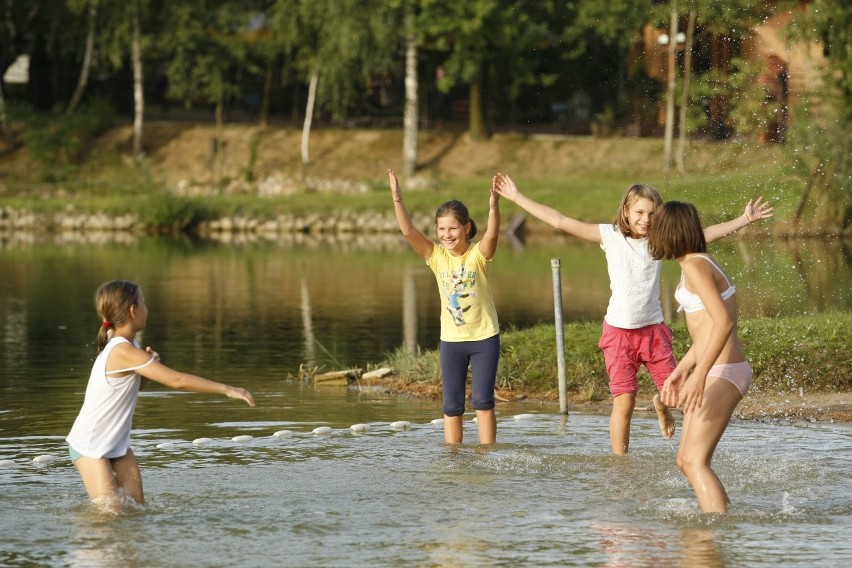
[452, 429]
[128, 476]
[99, 481]
[702, 430]
[664, 415]
[619, 422]
[486, 422]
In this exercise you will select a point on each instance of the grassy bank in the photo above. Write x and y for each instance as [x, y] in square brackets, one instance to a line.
[582, 176]
[804, 354]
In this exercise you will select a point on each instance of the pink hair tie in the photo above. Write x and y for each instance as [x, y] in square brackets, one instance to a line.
[105, 324]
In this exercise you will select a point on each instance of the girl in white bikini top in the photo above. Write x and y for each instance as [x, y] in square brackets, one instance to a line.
[690, 302]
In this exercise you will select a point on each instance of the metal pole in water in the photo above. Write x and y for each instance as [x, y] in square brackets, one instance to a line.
[560, 334]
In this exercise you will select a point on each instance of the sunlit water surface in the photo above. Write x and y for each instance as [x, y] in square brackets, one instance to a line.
[549, 493]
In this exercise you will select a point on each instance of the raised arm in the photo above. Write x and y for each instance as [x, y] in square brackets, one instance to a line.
[415, 238]
[488, 244]
[507, 188]
[754, 211]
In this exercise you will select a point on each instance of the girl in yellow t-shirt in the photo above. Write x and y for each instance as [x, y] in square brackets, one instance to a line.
[470, 332]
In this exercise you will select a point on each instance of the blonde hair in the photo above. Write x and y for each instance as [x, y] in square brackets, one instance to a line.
[634, 192]
[676, 232]
[113, 301]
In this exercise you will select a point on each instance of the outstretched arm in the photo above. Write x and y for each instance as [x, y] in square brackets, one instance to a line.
[148, 365]
[488, 244]
[754, 211]
[415, 238]
[507, 188]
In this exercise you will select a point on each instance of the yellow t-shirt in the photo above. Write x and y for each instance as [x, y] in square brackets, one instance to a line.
[467, 308]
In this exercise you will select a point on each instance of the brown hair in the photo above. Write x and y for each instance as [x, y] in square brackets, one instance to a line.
[676, 231]
[634, 192]
[458, 210]
[113, 300]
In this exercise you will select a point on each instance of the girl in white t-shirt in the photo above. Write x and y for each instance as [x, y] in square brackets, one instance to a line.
[634, 332]
[470, 332]
[99, 441]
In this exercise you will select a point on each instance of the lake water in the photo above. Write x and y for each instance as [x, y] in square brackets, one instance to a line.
[549, 493]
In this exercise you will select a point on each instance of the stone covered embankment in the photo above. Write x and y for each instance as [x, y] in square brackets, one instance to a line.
[14, 221]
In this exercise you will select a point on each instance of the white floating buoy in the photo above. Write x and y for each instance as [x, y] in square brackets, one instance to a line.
[44, 459]
[359, 427]
[166, 445]
[202, 441]
[322, 430]
[400, 425]
[524, 416]
[438, 421]
[243, 438]
[283, 433]
[7, 463]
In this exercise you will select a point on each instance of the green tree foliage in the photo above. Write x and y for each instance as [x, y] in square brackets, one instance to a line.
[476, 34]
[344, 42]
[820, 140]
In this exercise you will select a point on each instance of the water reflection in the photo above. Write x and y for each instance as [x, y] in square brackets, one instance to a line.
[317, 300]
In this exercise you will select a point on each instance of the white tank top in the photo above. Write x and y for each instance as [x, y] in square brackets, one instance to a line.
[102, 429]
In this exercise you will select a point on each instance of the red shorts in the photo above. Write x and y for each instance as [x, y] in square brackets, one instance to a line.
[626, 349]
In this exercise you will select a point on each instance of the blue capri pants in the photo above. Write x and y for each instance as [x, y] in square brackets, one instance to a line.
[482, 357]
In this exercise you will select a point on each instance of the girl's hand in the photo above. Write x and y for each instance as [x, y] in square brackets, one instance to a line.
[503, 185]
[670, 392]
[154, 354]
[493, 199]
[692, 394]
[394, 186]
[239, 394]
[758, 210]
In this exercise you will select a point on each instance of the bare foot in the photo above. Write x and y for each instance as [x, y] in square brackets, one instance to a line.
[664, 415]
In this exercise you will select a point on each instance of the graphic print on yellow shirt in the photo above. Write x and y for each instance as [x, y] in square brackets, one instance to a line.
[467, 308]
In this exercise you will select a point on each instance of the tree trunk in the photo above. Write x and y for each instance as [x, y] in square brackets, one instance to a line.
[267, 92]
[684, 100]
[409, 141]
[219, 157]
[309, 113]
[138, 86]
[670, 96]
[4, 119]
[476, 110]
[87, 59]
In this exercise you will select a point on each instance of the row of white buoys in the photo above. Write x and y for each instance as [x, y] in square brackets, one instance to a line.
[399, 425]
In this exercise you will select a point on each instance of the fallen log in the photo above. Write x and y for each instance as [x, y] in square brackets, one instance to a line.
[338, 378]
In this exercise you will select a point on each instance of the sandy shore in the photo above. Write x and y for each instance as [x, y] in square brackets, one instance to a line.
[810, 407]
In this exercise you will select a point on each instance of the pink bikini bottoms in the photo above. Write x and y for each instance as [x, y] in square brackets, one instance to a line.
[739, 374]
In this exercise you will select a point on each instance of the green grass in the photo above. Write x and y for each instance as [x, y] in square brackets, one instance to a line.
[811, 353]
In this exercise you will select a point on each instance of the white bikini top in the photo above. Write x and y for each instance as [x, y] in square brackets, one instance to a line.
[690, 302]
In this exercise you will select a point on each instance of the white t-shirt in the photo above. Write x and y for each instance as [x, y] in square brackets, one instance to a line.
[102, 429]
[634, 279]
